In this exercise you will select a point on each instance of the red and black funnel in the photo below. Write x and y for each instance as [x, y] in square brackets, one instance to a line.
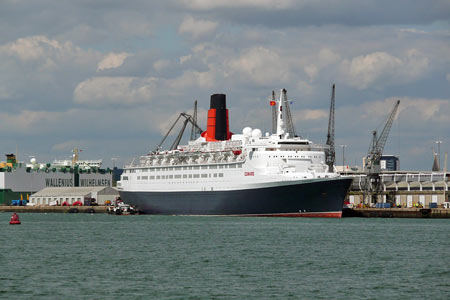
[217, 127]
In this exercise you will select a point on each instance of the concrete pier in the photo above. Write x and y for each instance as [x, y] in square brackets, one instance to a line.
[397, 212]
[54, 209]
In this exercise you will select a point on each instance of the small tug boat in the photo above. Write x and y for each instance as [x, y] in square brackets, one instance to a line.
[121, 208]
[14, 219]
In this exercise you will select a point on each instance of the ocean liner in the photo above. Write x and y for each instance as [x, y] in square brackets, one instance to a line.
[248, 174]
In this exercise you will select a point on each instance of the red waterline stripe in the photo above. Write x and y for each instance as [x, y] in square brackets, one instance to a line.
[300, 215]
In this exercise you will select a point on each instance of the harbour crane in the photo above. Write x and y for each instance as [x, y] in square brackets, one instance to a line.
[194, 132]
[330, 152]
[372, 162]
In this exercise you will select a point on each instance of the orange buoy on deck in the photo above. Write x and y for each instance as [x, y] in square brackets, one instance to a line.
[14, 219]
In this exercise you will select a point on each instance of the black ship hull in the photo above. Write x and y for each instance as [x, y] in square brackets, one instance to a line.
[315, 198]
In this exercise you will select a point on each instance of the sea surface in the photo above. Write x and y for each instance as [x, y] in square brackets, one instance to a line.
[98, 256]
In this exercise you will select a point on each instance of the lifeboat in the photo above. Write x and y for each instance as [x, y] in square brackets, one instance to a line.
[14, 219]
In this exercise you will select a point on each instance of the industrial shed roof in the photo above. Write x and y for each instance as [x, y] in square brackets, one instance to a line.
[75, 191]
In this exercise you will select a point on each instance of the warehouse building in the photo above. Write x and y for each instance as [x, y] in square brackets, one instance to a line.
[405, 189]
[70, 195]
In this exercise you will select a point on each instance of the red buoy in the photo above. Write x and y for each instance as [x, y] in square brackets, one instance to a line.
[14, 219]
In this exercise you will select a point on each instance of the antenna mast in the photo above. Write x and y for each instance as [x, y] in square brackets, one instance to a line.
[274, 113]
[289, 123]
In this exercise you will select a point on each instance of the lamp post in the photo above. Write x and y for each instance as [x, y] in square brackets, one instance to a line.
[439, 153]
[343, 157]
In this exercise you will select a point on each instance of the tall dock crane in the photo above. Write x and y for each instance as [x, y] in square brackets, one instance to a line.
[330, 152]
[372, 163]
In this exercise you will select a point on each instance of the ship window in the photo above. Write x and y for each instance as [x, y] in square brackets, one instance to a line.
[124, 177]
[220, 174]
[204, 167]
[152, 170]
[190, 175]
[145, 170]
[139, 177]
[177, 168]
[177, 176]
[213, 167]
[239, 165]
[184, 175]
[204, 175]
[144, 177]
[185, 168]
[158, 177]
[220, 166]
[215, 174]
[232, 166]
[196, 175]
[170, 177]
[152, 177]
[196, 167]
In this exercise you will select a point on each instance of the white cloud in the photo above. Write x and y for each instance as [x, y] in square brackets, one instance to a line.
[112, 60]
[327, 57]
[192, 78]
[362, 71]
[161, 64]
[415, 113]
[383, 69]
[185, 58]
[38, 67]
[264, 4]
[117, 90]
[312, 114]
[197, 28]
[260, 65]
[311, 71]
[32, 48]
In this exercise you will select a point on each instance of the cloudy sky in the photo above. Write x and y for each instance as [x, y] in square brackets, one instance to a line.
[109, 77]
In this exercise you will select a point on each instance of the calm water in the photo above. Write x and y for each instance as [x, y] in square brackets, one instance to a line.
[80, 256]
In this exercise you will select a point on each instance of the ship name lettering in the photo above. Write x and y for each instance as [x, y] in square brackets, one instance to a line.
[58, 182]
[95, 182]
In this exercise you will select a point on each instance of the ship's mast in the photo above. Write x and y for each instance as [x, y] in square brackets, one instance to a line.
[274, 113]
[281, 129]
